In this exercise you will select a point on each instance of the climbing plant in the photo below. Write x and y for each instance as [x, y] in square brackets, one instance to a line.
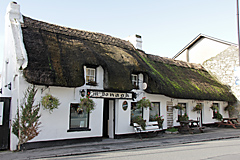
[26, 124]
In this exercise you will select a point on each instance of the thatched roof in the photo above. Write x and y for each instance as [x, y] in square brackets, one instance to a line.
[56, 56]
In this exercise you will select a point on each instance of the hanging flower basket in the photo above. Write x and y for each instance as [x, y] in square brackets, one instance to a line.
[198, 107]
[178, 106]
[50, 102]
[214, 107]
[229, 108]
[144, 103]
[86, 104]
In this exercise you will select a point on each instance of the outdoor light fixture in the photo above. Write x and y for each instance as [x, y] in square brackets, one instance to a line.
[9, 86]
[82, 92]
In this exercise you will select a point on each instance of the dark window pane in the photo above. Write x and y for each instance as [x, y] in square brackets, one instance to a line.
[78, 118]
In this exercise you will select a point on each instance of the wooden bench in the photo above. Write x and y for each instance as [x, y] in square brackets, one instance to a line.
[228, 122]
[151, 127]
[188, 126]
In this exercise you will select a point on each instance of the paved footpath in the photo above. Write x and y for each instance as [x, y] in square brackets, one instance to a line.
[106, 145]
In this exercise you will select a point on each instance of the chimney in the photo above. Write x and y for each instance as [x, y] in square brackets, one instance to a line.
[13, 11]
[136, 40]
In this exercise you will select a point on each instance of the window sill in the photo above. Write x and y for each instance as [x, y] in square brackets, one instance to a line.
[78, 129]
[92, 83]
[134, 87]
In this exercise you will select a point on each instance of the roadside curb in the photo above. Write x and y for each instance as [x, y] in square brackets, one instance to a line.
[137, 147]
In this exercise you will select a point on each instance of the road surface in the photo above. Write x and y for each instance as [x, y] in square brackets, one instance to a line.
[211, 150]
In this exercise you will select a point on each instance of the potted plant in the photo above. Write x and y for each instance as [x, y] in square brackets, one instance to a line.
[197, 108]
[139, 120]
[50, 102]
[160, 120]
[219, 116]
[183, 117]
[144, 103]
[86, 104]
[216, 113]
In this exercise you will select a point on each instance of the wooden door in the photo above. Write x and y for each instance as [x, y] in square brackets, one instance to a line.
[169, 114]
[4, 123]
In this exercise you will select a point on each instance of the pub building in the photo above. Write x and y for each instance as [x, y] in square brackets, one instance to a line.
[72, 64]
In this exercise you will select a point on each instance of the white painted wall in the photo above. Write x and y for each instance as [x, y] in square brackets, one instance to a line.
[203, 50]
[54, 126]
[182, 56]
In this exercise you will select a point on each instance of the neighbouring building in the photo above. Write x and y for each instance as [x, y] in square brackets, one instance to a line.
[202, 48]
[220, 58]
[69, 63]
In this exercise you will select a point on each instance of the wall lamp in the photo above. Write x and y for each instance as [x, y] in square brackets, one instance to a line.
[9, 86]
[82, 93]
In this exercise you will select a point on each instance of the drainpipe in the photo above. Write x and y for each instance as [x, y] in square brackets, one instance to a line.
[238, 31]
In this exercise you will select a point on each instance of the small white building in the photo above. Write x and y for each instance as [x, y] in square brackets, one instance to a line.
[69, 63]
[202, 48]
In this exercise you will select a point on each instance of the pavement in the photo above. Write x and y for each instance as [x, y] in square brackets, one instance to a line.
[106, 145]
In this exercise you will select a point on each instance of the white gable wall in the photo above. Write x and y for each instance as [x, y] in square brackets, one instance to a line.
[202, 50]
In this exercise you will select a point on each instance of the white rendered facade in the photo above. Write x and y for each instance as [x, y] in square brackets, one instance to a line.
[55, 126]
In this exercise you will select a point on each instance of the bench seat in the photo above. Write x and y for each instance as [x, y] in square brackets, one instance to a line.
[150, 127]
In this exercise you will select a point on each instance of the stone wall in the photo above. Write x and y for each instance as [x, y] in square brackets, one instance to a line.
[222, 67]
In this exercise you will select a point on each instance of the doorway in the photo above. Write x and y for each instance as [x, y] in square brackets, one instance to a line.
[108, 119]
[4, 123]
[169, 114]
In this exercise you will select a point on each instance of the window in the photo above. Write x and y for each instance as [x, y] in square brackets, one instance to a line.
[90, 75]
[215, 110]
[79, 119]
[135, 111]
[135, 81]
[182, 113]
[155, 111]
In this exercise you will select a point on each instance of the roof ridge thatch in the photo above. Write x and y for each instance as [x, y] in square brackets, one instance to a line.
[56, 56]
[91, 36]
[171, 61]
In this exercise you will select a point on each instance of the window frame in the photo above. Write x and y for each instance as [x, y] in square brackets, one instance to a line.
[87, 75]
[154, 106]
[78, 128]
[182, 112]
[135, 83]
[131, 111]
[214, 114]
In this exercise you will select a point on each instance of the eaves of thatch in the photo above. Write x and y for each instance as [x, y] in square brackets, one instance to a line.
[56, 56]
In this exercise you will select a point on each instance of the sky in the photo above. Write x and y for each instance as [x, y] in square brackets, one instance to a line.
[166, 26]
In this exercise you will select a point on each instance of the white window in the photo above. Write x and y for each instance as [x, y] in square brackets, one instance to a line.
[90, 75]
[135, 111]
[79, 119]
[135, 80]
[155, 111]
